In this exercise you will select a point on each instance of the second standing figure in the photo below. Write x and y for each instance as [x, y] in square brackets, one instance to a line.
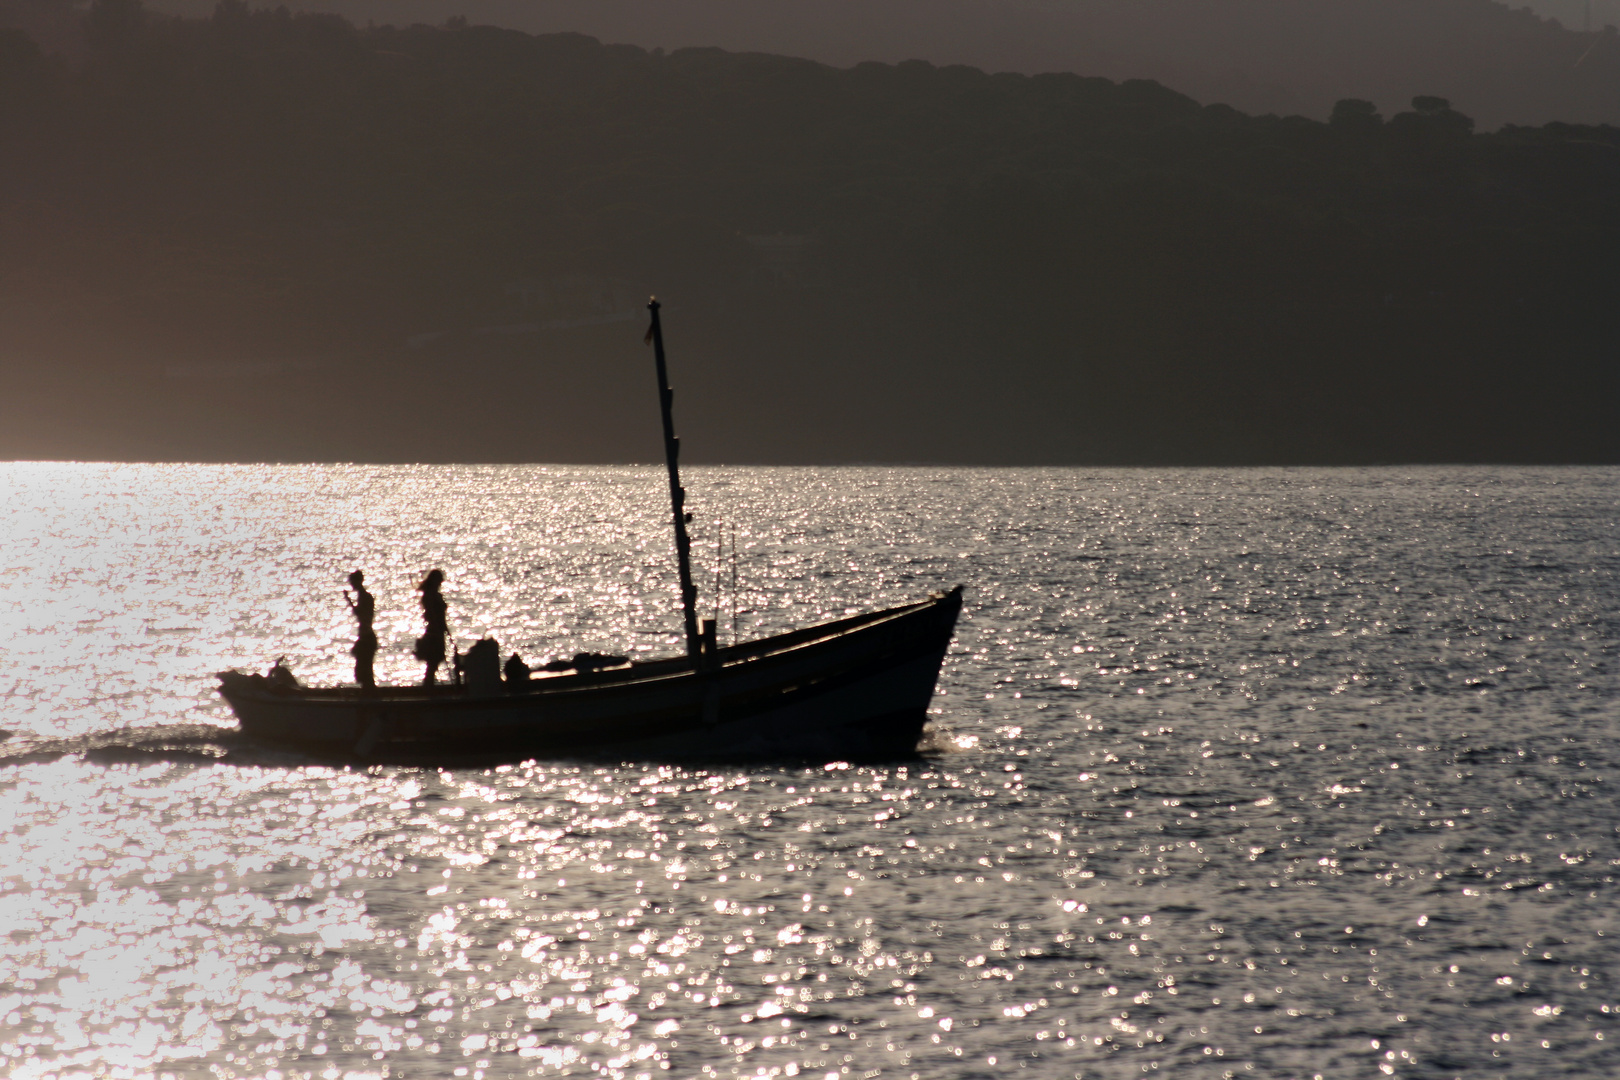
[430, 646]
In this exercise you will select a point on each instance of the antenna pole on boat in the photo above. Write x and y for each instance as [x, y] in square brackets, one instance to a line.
[677, 494]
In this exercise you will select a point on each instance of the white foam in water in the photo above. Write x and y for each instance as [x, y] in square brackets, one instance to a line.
[1273, 773]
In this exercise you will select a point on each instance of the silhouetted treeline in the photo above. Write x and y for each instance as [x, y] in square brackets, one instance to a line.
[1498, 62]
[218, 236]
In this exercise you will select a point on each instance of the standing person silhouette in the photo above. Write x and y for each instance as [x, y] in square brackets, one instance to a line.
[364, 606]
[430, 646]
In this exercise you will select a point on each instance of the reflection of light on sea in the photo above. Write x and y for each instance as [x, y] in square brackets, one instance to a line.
[1100, 855]
[177, 931]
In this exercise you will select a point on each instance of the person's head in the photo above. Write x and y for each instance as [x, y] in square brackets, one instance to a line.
[357, 580]
[431, 583]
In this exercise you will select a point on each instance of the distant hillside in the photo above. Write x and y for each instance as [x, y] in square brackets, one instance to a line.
[1576, 14]
[268, 236]
[1497, 64]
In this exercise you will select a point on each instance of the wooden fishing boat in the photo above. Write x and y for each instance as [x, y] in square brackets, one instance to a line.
[856, 688]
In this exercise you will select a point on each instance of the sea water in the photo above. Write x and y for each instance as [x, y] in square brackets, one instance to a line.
[1271, 773]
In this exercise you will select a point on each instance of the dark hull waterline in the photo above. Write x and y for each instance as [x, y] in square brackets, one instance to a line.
[853, 689]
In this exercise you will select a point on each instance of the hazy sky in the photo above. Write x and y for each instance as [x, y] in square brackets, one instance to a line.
[1573, 14]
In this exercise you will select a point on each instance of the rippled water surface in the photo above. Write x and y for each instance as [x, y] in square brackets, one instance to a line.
[1273, 773]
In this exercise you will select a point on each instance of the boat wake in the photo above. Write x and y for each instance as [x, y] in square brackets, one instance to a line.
[199, 744]
[938, 741]
[206, 744]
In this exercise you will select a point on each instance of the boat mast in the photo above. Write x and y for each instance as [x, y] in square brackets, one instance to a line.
[677, 494]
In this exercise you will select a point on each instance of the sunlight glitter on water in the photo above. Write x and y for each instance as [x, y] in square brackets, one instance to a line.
[1267, 773]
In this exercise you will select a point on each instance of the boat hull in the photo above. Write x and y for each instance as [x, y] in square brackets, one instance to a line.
[857, 688]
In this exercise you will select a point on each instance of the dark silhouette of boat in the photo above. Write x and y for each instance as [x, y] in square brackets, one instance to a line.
[856, 688]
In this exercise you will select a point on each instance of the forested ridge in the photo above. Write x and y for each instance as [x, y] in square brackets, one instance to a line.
[1499, 62]
[263, 235]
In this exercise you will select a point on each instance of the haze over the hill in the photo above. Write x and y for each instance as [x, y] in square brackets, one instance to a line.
[1497, 64]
